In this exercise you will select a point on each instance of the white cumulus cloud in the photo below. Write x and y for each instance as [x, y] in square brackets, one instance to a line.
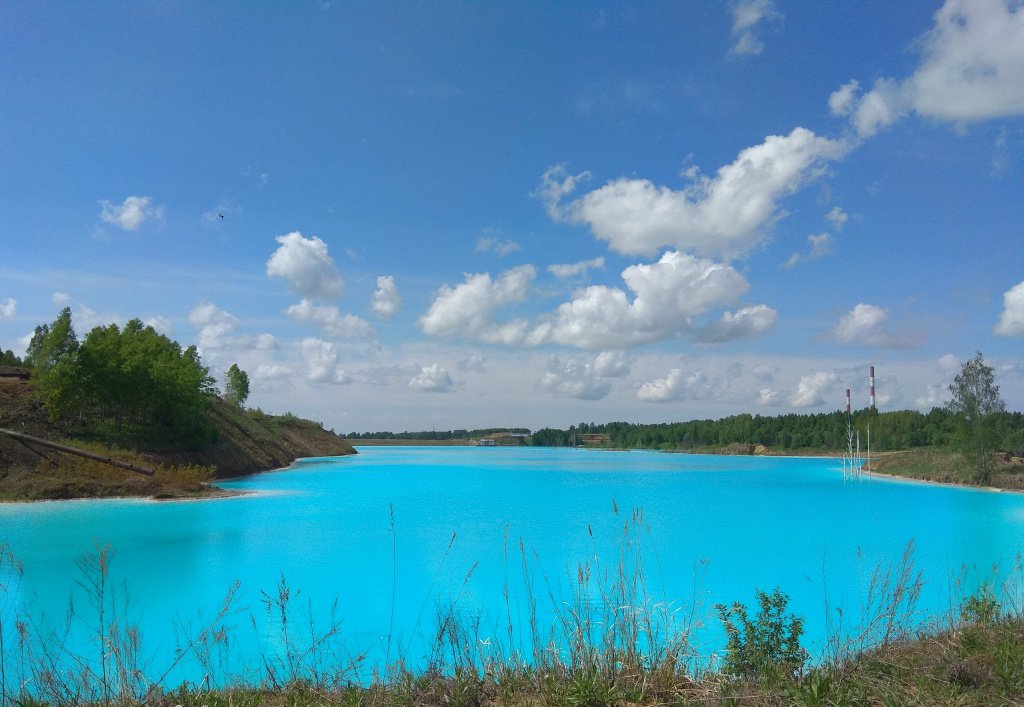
[161, 325]
[862, 321]
[574, 378]
[1011, 320]
[611, 364]
[432, 379]
[666, 297]
[218, 329]
[844, 99]
[132, 213]
[745, 323]
[386, 300]
[216, 326]
[306, 265]
[972, 69]
[321, 360]
[678, 385]
[467, 310]
[867, 325]
[330, 320]
[724, 216]
[811, 389]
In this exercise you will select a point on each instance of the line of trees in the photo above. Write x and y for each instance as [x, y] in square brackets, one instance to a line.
[974, 422]
[901, 429]
[977, 436]
[8, 358]
[435, 435]
[124, 384]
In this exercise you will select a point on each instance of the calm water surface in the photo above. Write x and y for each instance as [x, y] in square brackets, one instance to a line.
[393, 532]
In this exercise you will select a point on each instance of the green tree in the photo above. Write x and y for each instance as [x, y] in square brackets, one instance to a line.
[236, 385]
[53, 358]
[129, 383]
[8, 358]
[977, 406]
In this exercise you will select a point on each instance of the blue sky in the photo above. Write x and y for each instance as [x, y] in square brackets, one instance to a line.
[443, 215]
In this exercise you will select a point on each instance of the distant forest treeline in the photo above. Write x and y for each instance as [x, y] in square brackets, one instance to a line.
[902, 429]
[435, 435]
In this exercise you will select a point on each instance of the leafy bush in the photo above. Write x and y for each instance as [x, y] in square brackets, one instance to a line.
[982, 607]
[768, 646]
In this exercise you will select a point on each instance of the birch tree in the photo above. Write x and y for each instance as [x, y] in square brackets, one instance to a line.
[976, 403]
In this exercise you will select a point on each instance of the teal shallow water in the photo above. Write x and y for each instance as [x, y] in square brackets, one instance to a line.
[715, 528]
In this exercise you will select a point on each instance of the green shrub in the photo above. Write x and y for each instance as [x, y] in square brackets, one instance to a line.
[982, 607]
[768, 646]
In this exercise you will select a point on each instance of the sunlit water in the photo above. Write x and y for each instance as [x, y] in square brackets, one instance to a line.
[400, 536]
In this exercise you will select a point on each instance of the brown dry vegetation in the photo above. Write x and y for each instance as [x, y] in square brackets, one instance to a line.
[946, 467]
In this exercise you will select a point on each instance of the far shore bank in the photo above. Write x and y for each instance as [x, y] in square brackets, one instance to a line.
[412, 442]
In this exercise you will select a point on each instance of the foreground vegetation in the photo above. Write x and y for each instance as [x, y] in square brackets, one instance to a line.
[611, 643]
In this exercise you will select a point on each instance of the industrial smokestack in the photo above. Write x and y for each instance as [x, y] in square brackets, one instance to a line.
[847, 401]
[871, 381]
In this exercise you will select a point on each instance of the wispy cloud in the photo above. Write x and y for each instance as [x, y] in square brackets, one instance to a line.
[748, 16]
[494, 244]
[819, 245]
[572, 269]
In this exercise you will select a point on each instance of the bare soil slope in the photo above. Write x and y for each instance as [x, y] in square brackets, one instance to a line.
[250, 442]
[247, 443]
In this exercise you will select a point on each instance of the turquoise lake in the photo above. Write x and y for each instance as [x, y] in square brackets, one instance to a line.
[402, 535]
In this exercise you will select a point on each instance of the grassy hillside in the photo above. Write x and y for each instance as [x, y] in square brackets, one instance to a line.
[947, 467]
[246, 442]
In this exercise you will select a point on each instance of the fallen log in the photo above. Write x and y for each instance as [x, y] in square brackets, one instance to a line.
[22, 437]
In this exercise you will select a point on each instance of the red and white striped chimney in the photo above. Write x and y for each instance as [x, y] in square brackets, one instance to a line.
[847, 401]
[871, 380]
